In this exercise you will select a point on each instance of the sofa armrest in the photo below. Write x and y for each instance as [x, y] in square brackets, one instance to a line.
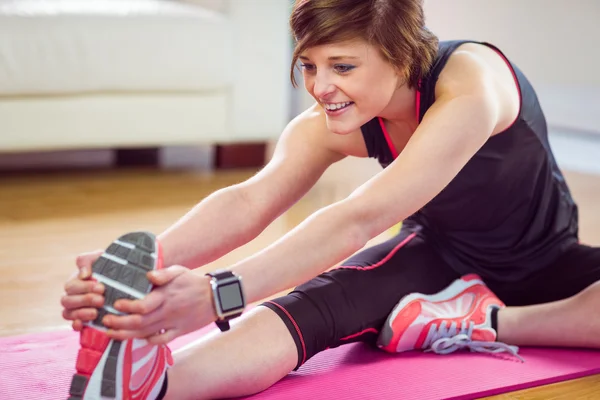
[214, 5]
[262, 53]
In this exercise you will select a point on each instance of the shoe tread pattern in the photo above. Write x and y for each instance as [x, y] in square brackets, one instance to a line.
[125, 262]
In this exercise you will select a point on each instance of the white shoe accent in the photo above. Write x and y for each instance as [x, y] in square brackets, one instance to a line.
[118, 285]
[124, 244]
[447, 337]
[130, 246]
[452, 343]
[114, 258]
[409, 339]
[452, 290]
[93, 390]
[138, 343]
[157, 388]
[138, 364]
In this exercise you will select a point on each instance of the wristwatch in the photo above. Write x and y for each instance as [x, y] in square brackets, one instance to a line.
[229, 296]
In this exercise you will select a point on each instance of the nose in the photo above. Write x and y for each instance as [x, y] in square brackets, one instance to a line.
[322, 87]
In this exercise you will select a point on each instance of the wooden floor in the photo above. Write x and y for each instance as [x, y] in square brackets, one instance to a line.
[46, 219]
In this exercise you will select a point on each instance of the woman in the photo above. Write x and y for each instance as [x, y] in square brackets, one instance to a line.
[467, 167]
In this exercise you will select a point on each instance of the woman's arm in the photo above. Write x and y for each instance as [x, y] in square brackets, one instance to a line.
[473, 102]
[233, 216]
[471, 105]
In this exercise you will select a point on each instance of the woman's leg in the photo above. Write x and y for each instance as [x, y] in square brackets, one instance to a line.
[558, 307]
[345, 305]
[255, 353]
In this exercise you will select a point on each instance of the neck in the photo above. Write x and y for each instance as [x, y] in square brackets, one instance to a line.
[401, 110]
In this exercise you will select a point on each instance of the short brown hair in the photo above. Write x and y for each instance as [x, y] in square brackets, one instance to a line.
[396, 27]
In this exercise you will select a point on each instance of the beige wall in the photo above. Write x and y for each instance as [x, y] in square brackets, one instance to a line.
[217, 5]
[554, 42]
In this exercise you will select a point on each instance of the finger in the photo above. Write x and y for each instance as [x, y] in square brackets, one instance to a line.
[164, 337]
[135, 321]
[124, 322]
[77, 286]
[84, 314]
[84, 262]
[163, 276]
[71, 302]
[77, 325]
[122, 334]
[148, 304]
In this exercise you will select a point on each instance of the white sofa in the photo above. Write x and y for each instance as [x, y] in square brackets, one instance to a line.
[78, 74]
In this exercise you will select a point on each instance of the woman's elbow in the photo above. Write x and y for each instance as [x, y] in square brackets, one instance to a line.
[363, 222]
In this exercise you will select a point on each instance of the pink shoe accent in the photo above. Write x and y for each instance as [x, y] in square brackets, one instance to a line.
[121, 370]
[457, 317]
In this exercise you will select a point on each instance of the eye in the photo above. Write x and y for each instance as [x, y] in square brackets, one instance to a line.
[343, 68]
[308, 67]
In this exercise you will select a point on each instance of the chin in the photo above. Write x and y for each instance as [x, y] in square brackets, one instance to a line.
[342, 128]
[343, 132]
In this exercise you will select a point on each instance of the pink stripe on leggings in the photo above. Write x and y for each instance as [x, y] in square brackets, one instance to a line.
[384, 259]
[295, 326]
[368, 330]
[380, 263]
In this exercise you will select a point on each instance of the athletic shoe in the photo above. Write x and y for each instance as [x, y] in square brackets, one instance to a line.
[458, 317]
[121, 370]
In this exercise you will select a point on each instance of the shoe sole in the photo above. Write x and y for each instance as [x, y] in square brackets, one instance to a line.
[122, 269]
[387, 333]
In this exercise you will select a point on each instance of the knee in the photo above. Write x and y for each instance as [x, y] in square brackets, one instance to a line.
[592, 290]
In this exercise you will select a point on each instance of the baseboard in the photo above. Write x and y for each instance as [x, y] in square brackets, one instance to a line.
[50, 160]
[170, 157]
[575, 150]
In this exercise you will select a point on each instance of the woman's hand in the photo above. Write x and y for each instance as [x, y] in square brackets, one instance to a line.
[181, 302]
[82, 295]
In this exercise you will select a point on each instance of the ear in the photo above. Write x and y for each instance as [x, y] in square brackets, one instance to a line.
[401, 78]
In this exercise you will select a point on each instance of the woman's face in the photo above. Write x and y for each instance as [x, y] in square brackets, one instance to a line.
[351, 81]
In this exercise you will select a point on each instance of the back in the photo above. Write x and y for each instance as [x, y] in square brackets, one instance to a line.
[509, 211]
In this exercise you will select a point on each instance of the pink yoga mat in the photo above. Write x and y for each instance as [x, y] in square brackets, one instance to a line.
[40, 366]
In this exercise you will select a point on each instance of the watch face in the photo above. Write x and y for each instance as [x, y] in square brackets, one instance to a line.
[230, 297]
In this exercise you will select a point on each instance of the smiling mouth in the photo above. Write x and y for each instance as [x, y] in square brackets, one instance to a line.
[337, 106]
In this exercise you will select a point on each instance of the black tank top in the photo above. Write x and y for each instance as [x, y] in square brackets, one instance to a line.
[509, 211]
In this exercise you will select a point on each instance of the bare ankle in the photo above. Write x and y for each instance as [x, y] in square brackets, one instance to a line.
[500, 318]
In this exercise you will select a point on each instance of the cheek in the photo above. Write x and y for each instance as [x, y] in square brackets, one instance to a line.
[371, 99]
[309, 85]
[377, 94]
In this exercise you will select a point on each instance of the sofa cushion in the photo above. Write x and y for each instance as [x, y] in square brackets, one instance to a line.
[76, 46]
[217, 5]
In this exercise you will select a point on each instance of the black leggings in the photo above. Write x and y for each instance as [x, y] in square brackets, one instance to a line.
[350, 303]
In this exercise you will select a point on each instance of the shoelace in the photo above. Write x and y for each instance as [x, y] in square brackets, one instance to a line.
[448, 338]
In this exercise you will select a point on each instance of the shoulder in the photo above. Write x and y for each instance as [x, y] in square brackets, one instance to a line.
[478, 70]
